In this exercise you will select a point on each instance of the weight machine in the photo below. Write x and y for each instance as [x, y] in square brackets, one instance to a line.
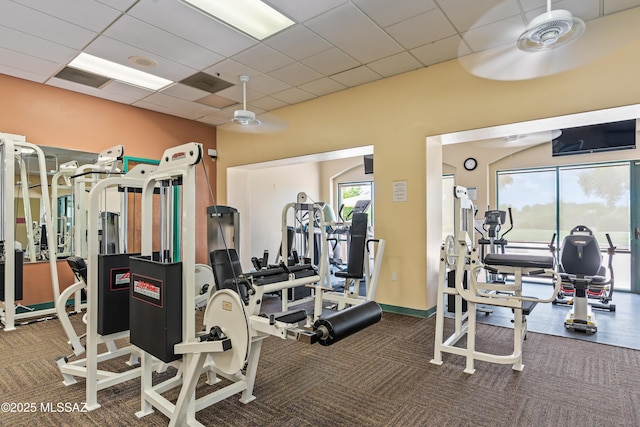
[304, 243]
[459, 253]
[163, 320]
[106, 279]
[361, 251]
[11, 147]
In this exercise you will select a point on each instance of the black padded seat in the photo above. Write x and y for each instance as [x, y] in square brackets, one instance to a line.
[293, 316]
[596, 280]
[519, 260]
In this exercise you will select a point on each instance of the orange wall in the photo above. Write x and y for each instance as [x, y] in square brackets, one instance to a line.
[56, 117]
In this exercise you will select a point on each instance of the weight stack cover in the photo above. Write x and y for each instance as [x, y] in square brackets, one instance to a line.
[155, 307]
[19, 257]
[113, 293]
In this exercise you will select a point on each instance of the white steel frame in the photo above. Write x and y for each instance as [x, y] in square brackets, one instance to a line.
[10, 145]
[96, 379]
[460, 252]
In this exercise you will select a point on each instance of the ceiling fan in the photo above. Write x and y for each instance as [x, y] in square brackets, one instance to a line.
[520, 140]
[553, 42]
[246, 121]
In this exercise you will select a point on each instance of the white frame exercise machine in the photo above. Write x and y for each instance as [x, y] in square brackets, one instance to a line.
[87, 367]
[459, 252]
[313, 210]
[84, 179]
[230, 346]
[374, 248]
[9, 143]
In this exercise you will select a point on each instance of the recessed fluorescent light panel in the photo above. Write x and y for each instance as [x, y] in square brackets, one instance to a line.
[251, 16]
[121, 73]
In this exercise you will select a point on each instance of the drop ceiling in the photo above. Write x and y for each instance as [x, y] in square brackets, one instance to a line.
[334, 45]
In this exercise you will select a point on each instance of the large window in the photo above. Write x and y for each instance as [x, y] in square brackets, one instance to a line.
[531, 195]
[555, 200]
[352, 193]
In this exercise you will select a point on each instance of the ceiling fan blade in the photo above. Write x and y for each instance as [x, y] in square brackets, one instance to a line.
[602, 36]
[520, 141]
[268, 123]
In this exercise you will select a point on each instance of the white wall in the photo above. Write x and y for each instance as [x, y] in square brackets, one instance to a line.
[260, 195]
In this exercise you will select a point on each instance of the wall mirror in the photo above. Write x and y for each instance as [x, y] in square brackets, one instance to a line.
[60, 164]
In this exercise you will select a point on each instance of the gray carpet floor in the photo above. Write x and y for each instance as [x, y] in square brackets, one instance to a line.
[381, 376]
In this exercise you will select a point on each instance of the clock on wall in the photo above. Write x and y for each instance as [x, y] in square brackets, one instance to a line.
[470, 164]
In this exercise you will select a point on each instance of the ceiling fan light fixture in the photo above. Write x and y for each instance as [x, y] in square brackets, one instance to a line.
[245, 118]
[551, 30]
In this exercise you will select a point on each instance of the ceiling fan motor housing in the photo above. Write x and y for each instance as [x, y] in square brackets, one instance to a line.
[245, 117]
[551, 30]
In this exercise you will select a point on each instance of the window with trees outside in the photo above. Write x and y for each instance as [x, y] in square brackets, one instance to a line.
[351, 192]
[555, 200]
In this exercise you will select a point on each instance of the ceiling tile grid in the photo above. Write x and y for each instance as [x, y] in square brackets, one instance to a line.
[333, 45]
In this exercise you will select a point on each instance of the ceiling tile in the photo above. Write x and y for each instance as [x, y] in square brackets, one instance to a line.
[613, 6]
[170, 105]
[28, 63]
[424, 28]
[88, 90]
[23, 74]
[216, 101]
[134, 93]
[171, 16]
[235, 93]
[267, 85]
[301, 11]
[152, 39]
[185, 92]
[330, 61]
[293, 95]
[440, 51]
[395, 64]
[583, 9]
[267, 103]
[119, 4]
[296, 74]
[496, 34]
[385, 12]
[356, 76]
[323, 86]
[88, 14]
[352, 31]
[216, 119]
[44, 26]
[298, 42]
[116, 51]
[465, 14]
[262, 58]
[231, 71]
[35, 46]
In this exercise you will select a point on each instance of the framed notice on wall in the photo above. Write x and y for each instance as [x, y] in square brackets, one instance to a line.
[399, 191]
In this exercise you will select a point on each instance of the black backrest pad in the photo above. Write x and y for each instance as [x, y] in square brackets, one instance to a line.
[580, 255]
[78, 266]
[355, 262]
[226, 265]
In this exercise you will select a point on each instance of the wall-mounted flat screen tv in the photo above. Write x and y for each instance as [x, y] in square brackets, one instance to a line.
[368, 163]
[596, 138]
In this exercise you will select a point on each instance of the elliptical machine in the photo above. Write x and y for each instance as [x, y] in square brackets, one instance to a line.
[491, 241]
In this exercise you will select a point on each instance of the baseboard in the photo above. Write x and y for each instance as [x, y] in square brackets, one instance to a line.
[408, 311]
[36, 307]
